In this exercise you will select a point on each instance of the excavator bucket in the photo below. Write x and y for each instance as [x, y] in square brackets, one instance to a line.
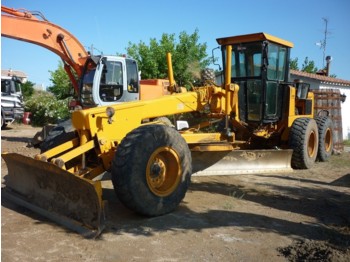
[241, 162]
[71, 201]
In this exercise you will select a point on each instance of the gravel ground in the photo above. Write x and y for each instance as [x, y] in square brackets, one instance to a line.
[299, 216]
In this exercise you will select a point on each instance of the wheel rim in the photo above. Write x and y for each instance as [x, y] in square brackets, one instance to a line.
[311, 146]
[328, 140]
[163, 171]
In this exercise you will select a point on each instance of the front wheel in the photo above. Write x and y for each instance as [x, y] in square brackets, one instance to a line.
[152, 169]
[303, 139]
[58, 135]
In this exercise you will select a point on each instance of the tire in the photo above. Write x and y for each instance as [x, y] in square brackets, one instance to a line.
[60, 134]
[3, 122]
[151, 170]
[303, 139]
[325, 134]
[208, 74]
[164, 120]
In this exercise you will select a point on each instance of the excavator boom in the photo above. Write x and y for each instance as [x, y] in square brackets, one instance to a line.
[25, 26]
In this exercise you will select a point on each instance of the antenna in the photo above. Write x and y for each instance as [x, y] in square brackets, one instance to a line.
[92, 48]
[323, 44]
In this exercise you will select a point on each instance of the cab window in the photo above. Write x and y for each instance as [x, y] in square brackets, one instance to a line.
[277, 62]
[246, 60]
[111, 84]
[132, 76]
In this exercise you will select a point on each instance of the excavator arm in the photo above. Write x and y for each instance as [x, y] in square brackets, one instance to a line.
[26, 26]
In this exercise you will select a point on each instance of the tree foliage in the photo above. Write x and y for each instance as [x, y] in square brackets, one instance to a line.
[27, 90]
[188, 57]
[293, 64]
[46, 108]
[307, 66]
[62, 86]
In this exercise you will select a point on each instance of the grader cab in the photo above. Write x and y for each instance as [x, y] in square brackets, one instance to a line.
[264, 124]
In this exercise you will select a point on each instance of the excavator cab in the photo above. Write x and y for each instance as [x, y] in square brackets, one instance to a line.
[260, 66]
[108, 80]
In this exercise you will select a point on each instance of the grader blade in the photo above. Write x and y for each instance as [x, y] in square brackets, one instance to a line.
[73, 202]
[241, 162]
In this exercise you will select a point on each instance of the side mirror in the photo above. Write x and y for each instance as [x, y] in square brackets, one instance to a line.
[302, 90]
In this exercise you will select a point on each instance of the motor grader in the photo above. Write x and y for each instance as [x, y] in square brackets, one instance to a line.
[265, 124]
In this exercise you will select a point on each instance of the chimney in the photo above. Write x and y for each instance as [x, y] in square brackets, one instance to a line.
[328, 59]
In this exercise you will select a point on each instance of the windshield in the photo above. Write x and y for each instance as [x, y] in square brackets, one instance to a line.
[111, 85]
[112, 73]
[86, 91]
[246, 60]
[10, 86]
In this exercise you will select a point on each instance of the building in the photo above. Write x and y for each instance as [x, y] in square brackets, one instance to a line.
[19, 74]
[323, 82]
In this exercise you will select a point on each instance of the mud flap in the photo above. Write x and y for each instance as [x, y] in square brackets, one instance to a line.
[241, 162]
[71, 201]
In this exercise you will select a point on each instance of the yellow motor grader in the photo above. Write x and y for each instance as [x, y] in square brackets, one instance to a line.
[264, 124]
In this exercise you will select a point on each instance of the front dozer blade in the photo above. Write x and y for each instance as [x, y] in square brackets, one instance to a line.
[241, 162]
[69, 200]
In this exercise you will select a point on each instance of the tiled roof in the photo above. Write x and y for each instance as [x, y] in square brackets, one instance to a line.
[321, 78]
[10, 72]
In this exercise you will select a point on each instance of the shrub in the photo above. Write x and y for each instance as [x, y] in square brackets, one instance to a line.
[46, 109]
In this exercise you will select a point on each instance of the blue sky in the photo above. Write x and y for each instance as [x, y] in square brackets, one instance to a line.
[110, 25]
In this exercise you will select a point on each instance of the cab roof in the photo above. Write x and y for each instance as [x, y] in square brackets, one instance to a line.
[252, 38]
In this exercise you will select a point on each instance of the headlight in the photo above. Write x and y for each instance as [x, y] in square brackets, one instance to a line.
[110, 113]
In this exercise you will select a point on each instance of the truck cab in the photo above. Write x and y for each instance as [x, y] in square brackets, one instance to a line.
[11, 100]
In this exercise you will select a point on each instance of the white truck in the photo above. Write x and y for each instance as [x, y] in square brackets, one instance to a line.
[11, 100]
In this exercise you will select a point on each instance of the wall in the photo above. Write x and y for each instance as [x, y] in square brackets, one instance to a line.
[327, 103]
[345, 107]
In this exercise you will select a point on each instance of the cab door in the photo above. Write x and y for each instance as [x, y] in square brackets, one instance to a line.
[115, 81]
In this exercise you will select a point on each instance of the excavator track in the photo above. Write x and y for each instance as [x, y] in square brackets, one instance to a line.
[69, 200]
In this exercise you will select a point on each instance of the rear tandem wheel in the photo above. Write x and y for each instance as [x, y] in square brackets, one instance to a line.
[303, 139]
[325, 135]
[151, 170]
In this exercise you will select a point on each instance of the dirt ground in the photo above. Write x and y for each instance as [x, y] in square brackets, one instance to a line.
[299, 216]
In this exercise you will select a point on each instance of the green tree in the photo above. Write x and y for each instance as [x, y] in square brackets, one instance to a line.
[62, 86]
[27, 90]
[309, 66]
[293, 64]
[188, 57]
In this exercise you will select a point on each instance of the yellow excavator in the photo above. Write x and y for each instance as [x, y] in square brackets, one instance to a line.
[263, 124]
